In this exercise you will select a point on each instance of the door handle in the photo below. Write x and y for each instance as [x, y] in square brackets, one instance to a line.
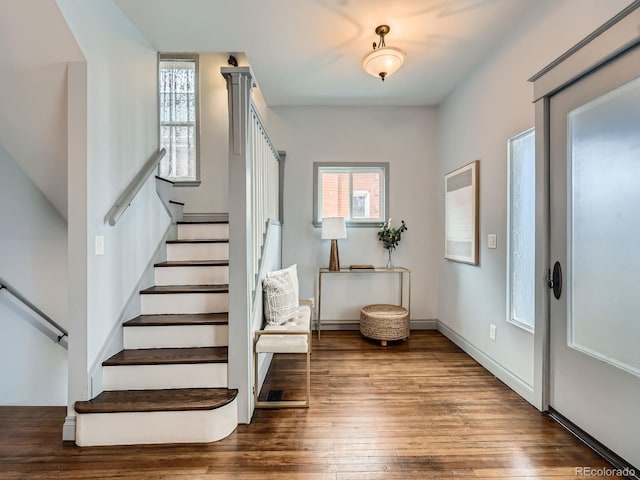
[554, 281]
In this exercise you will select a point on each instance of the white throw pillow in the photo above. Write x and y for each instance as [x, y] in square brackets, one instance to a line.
[280, 295]
[292, 272]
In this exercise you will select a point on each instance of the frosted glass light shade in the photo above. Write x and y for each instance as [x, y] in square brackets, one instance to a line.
[383, 62]
[333, 228]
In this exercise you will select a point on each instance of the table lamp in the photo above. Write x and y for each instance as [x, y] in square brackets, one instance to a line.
[334, 228]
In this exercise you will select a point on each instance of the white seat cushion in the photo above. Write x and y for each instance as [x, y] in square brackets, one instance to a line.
[272, 343]
[282, 344]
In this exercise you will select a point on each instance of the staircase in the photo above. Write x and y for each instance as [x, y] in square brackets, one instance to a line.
[169, 384]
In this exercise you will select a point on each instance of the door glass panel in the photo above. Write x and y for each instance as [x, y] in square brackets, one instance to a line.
[604, 228]
[521, 229]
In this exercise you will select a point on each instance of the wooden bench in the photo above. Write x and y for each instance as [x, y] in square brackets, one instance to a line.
[291, 337]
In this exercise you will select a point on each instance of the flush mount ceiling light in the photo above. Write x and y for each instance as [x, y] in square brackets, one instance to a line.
[383, 61]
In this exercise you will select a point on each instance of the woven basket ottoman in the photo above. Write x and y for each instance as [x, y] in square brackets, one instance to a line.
[384, 322]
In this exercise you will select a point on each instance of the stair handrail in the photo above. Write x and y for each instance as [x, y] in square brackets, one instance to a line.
[4, 285]
[129, 193]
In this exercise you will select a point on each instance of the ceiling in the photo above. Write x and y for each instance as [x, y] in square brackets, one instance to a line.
[309, 52]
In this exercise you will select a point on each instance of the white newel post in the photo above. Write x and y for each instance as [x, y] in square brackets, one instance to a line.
[239, 83]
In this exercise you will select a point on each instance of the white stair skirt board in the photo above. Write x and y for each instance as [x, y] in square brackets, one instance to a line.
[179, 252]
[195, 275]
[159, 377]
[131, 428]
[177, 303]
[176, 336]
[195, 231]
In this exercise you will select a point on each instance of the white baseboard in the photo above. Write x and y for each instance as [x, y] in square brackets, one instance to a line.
[69, 429]
[416, 324]
[503, 374]
[426, 324]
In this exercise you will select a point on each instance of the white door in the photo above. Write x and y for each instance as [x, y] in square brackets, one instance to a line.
[595, 236]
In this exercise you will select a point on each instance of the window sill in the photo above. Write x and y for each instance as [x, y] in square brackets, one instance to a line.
[376, 224]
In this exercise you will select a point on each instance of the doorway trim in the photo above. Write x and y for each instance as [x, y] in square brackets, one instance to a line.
[616, 36]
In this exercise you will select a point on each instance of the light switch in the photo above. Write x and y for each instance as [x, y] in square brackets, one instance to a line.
[99, 244]
[492, 240]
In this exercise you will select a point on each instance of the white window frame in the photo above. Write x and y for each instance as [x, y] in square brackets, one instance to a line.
[184, 57]
[352, 167]
[367, 199]
[527, 324]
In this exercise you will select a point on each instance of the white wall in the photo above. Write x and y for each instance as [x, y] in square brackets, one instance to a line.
[476, 119]
[121, 135]
[211, 195]
[35, 46]
[33, 259]
[403, 136]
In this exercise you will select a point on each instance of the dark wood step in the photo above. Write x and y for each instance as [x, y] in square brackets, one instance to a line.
[169, 289]
[194, 263]
[201, 240]
[183, 319]
[165, 180]
[176, 203]
[172, 400]
[202, 222]
[168, 356]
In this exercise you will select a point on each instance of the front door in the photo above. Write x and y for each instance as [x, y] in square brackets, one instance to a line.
[595, 238]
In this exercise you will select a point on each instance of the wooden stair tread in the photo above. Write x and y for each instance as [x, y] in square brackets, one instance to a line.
[200, 240]
[168, 289]
[181, 399]
[168, 356]
[181, 319]
[194, 263]
[202, 222]
[165, 180]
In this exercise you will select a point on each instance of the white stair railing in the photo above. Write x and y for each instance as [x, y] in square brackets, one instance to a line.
[265, 186]
[255, 173]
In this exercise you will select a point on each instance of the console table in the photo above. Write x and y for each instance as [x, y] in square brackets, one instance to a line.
[401, 271]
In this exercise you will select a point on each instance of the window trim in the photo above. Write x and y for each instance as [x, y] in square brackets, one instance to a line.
[196, 58]
[351, 223]
[513, 321]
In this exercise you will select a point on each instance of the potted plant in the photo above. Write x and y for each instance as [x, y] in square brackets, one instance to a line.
[390, 238]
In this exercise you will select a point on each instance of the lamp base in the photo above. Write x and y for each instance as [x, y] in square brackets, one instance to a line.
[334, 260]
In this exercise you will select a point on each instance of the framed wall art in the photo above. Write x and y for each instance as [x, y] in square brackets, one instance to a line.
[461, 214]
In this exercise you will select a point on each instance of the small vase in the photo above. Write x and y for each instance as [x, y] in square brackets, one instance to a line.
[390, 261]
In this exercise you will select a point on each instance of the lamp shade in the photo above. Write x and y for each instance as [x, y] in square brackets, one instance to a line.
[383, 62]
[333, 228]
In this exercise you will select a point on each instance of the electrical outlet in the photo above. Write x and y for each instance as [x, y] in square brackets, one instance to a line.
[492, 240]
[492, 332]
[99, 244]
[312, 302]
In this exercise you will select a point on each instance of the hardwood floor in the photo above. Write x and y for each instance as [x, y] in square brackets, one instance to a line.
[421, 409]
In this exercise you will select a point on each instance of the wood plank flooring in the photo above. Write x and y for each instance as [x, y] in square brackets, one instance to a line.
[421, 409]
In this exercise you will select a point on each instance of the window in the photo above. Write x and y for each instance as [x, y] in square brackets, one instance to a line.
[356, 191]
[178, 105]
[521, 231]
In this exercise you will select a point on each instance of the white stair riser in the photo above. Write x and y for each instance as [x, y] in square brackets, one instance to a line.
[130, 428]
[158, 377]
[177, 303]
[192, 275]
[198, 231]
[177, 252]
[176, 336]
